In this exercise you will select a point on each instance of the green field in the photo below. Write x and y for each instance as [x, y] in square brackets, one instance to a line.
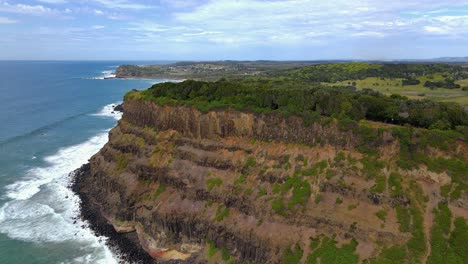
[390, 86]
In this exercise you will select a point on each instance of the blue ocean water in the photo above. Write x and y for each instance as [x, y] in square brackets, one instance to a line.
[54, 116]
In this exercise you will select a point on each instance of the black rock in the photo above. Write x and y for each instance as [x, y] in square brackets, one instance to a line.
[119, 108]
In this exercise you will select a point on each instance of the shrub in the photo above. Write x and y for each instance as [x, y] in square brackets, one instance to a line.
[221, 213]
[213, 182]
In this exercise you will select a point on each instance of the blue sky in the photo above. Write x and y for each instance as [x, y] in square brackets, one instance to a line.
[221, 29]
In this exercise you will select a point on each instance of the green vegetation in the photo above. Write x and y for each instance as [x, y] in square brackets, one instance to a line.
[382, 215]
[293, 256]
[372, 167]
[122, 162]
[262, 192]
[241, 180]
[225, 254]
[340, 157]
[250, 162]
[404, 218]
[298, 98]
[278, 206]
[448, 247]
[394, 183]
[392, 255]
[326, 251]
[213, 182]
[318, 198]
[212, 250]
[221, 213]
[380, 184]
[339, 200]
[357, 71]
[316, 169]
[159, 191]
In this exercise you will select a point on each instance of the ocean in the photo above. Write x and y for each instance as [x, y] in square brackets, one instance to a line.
[54, 116]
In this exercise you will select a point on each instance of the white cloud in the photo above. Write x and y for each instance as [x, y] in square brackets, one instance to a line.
[53, 1]
[147, 26]
[6, 20]
[122, 4]
[289, 21]
[37, 10]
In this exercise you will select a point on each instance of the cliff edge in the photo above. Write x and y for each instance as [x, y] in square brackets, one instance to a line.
[232, 186]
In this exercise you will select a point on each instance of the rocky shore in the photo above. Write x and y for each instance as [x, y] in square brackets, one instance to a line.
[126, 245]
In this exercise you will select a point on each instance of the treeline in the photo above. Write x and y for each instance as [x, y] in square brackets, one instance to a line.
[358, 71]
[410, 81]
[311, 100]
[447, 83]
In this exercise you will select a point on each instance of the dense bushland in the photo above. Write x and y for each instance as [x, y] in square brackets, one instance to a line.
[310, 100]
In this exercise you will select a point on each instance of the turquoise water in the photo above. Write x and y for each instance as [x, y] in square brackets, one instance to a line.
[54, 116]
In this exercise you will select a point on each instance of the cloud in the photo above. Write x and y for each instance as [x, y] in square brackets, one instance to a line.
[273, 27]
[37, 10]
[288, 21]
[122, 4]
[6, 20]
[53, 1]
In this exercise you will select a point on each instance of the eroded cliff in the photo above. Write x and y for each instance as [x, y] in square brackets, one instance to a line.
[230, 186]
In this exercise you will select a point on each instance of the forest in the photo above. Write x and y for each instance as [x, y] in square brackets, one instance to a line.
[311, 100]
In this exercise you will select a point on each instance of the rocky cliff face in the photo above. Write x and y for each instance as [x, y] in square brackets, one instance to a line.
[231, 186]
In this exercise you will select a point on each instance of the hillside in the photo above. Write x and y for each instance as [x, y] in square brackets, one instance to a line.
[194, 176]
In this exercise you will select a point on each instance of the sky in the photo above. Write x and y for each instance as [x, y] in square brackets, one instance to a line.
[237, 30]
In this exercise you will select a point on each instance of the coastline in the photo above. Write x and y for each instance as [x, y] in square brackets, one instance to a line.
[169, 78]
[125, 245]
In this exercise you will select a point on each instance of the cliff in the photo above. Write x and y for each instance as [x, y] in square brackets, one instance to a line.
[230, 186]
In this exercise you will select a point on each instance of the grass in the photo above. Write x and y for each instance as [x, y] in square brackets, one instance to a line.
[316, 169]
[212, 250]
[448, 247]
[159, 191]
[393, 86]
[382, 215]
[213, 182]
[371, 167]
[221, 213]
[326, 251]
[292, 256]
[278, 206]
[380, 184]
[262, 192]
[392, 255]
[394, 183]
[122, 162]
[225, 254]
[250, 162]
[404, 218]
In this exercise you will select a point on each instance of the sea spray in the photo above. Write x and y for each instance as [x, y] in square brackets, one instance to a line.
[42, 209]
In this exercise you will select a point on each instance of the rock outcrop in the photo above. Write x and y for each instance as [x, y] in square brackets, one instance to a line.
[194, 187]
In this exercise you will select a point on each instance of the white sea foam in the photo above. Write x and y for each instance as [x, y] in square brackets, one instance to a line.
[43, 209]
[108, 111]
[105, 75]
